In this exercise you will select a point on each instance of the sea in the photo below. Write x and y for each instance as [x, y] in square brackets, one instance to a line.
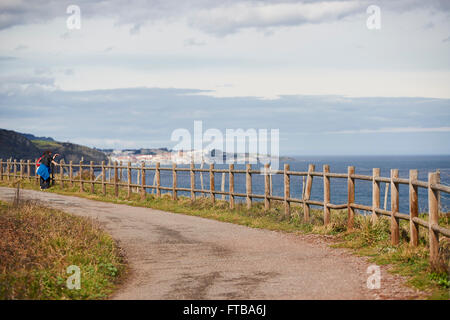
[338, 187]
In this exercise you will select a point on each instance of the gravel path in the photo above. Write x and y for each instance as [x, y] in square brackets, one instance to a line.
[175, 256]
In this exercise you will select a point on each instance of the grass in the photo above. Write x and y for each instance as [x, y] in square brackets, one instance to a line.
[38, 244]
[43, 144]
[366, 239]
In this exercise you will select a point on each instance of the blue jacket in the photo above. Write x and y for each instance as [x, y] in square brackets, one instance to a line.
[43, 171]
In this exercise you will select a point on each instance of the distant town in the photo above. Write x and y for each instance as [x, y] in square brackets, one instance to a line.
[166, 156]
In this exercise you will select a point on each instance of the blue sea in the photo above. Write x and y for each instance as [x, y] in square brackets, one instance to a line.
[338, 164]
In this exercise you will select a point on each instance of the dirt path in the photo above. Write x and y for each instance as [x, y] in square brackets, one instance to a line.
[174, 256]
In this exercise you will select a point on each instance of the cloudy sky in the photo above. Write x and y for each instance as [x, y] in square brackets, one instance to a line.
[137, 70]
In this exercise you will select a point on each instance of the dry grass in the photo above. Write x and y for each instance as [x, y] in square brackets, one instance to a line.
[37, 245]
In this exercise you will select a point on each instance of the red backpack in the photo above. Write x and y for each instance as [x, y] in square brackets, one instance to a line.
[38, 162]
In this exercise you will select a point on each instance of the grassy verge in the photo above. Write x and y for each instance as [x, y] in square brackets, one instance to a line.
[366, 239]
[38, 244]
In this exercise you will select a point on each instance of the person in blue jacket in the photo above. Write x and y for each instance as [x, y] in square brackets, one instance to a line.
[44, 169]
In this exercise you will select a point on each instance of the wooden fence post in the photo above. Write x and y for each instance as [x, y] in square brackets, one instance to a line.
[116, 179]
[158, 180]
[413, 208]
[15, 169]
[103, 178]
[71, 173]
[222, 187]
[7, 169]
[109, 170]
[81, 176]
[231, 185]
[248, 185]
[350, 197]
[129, 179]
[375, 193]
[326, 194]
[212, 186]
[433, 219]
[174, 181]
[287, 191]
[1, 169]
[92, 176]
[143, 182]
[28, 169]
[266, 187]
[21, 169]
[309, 181]
[395, 230]
[201, 178]
[120, 171]
[386, 193]
[61, 173]
[36, 176]
[138, 179]
[192, 181]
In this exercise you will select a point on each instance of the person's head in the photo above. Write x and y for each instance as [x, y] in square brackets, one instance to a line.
[47, 152]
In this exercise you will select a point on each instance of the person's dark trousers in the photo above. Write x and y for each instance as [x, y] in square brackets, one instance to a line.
[45, 184]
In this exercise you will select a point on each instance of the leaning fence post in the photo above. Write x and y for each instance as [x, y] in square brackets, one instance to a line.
[174, 181]
[266, 187]
[192, 181]
[103, 178]
[143, 196]
[231, 184]
[433, 220]
[248, 185]
[92, 176]
[81, 176]
[307, 195]
[129, 179]
[326, 194]
[287, 191]
[212, 183]
[116, 179]
[395, 230]
[375, 193]
[413, 208]
[158, 180]
[350, 197]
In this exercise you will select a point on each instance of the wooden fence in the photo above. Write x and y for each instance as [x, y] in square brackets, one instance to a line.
[23, 170]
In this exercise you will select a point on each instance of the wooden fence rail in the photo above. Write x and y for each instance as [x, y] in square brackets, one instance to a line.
[86, 175]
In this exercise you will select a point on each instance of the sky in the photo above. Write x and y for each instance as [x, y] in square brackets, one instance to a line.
[136, 71]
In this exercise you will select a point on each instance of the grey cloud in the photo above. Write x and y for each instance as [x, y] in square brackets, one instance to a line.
[209, 15]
